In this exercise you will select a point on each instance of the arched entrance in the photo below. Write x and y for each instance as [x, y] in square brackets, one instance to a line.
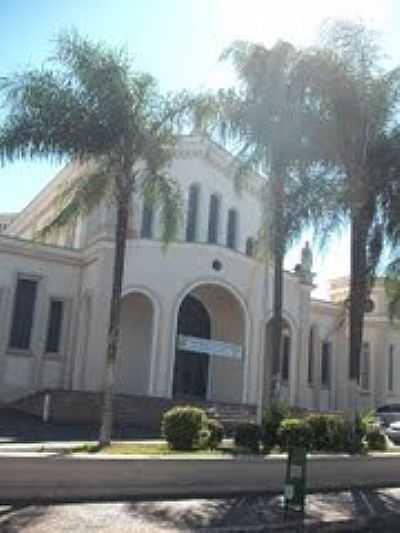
[136, 344]
[191, 369]
[214, 312]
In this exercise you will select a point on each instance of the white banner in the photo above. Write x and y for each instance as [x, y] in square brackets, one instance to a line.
[211, 347]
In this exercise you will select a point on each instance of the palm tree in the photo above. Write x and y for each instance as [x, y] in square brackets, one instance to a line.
[267, 116]
[356, 101]
[91, 107]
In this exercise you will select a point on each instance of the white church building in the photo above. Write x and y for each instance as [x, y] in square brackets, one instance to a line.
[196, 314]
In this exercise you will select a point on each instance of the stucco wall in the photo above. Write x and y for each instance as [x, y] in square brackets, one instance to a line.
[58, 275]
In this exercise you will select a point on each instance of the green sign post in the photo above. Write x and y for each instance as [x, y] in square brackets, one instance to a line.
[295, 485]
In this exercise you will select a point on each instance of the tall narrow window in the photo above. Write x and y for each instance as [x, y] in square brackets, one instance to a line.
[24, 306]
[310, 367]
[231, 235]
[250, 247]
[191, 225]
[213, 219]
[390, 368]
[146, 231]
[54, 326]
[326, 364]
[365, 366]
[285, 357]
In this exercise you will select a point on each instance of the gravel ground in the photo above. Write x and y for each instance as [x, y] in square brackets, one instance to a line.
[367, 511]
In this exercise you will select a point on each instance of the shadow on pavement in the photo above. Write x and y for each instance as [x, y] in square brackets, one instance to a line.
[15, 518]
[355, 510]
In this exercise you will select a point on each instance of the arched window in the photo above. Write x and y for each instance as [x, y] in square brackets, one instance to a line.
[285, 356]
[326, 364]
[146, 231]
[213, 219]
[390, 368]
[250, 247]
[365, 366]
[193, 207]
[311, 357]
[231, 234]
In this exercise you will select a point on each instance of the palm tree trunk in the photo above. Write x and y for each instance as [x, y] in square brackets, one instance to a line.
[114, 323]
[358, 292]
[278, 286]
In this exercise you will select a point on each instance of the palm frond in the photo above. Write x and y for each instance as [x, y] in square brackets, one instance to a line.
[79, 197]
[164, 192]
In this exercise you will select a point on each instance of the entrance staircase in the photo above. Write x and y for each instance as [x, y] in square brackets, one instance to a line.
[141, 412]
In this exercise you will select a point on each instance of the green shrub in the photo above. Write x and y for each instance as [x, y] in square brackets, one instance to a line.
[295, 432]
[353, 435]
[216, 433]
[272, 419]
[248, 436]
[376, 440]
[185, 428]
[327, 432]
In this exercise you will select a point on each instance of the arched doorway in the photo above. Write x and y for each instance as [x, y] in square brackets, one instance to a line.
[210, 311]
[136, 344]
[191, 369]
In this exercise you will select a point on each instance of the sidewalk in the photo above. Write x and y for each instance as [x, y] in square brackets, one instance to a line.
[348, 511]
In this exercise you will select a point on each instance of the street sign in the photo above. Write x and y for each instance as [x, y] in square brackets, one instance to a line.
[187, 343]
[295, 485]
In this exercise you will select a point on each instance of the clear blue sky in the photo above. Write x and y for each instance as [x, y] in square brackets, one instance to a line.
[179, 42]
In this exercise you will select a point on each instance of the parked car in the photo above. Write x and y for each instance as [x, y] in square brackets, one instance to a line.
[386, 414]
[393, 432]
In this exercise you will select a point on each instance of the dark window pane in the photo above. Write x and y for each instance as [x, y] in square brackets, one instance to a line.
[232, 229]
[213, 219]
[24, 305]
[54, 326]
[364, 368]
[147, 221]
[250, 246]
[286, 358]
[390, 368]
[310, 372]
[326, 364]
[192, 214]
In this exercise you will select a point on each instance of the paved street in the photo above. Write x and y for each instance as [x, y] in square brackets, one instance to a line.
[366, 511]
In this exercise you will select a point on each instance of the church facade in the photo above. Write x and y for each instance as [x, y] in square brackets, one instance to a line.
[196, 315]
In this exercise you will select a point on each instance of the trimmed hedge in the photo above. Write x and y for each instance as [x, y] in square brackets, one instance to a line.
[376, 440]
[188, 428]
[295, 432]
[216, 433]
[273, 416]
[185, 428]
[327, 432]
[248, 436]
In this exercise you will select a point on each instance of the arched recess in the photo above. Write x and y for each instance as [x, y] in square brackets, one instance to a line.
[286, 360]
[224, 377]
[137, 344]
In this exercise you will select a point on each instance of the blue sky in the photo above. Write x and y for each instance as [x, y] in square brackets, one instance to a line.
[179, 42]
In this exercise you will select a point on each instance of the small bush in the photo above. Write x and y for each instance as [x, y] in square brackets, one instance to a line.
[185, 428]
[272, 419]
[326, 432]
[216, 433]
[295, 432]
[376, 440]
[248, 436]
[353, 435]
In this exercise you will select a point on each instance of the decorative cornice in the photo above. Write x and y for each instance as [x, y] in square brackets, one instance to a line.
[31, 249]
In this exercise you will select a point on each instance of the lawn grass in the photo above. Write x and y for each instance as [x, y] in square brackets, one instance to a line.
[131, 448]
